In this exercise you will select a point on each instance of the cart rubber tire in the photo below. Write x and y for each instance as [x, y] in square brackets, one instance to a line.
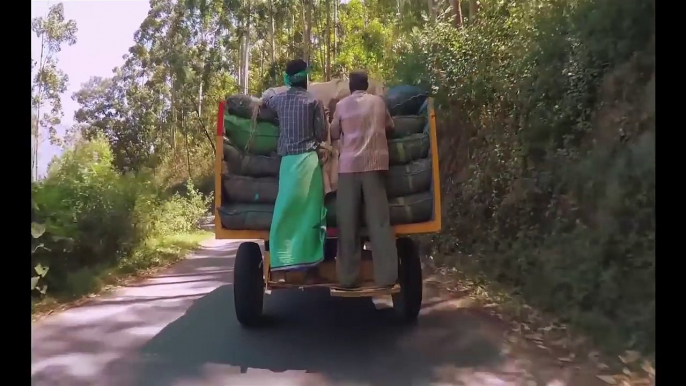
[408, 302]
[248, 283]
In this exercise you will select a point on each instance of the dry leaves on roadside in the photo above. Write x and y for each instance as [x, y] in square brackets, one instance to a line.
[568, 359]
[594, 356]
[648, 368]
[626, 379]
[630, 356]
[609, 379]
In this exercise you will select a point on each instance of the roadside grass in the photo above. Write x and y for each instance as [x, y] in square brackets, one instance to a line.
[86, 283]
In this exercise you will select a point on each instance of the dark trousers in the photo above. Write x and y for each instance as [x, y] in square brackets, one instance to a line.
[351, 188]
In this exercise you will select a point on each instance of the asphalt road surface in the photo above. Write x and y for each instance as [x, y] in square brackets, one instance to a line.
[179, 329]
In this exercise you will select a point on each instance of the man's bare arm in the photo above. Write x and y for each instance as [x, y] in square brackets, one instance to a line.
[336, 126]
[267, 102]
[321, 124]
[389, 120]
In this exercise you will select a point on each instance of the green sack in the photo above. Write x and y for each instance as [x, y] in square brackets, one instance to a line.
[402, 151]
[243, 164]
[262, 142]
[246, 216]
[406, 125]
[404, 180]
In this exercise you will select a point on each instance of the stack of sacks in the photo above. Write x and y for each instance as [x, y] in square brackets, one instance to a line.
[250, 168]
[410, 174]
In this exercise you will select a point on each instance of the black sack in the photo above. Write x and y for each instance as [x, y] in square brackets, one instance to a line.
[246, 216]
[406, 125]
[404, 180]
[243, 164]
[250, 190]
[402, 151]
[242, 106]
[405, 100]
[412, 209]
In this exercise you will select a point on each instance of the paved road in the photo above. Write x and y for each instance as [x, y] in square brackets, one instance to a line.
[179, 329]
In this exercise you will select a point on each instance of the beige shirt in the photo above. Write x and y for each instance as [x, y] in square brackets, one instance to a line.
[361, 121]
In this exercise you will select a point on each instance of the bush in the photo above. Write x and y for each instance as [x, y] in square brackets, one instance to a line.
[96, 218]
[547, 155]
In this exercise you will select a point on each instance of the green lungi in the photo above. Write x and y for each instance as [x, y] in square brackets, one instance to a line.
[298, 230]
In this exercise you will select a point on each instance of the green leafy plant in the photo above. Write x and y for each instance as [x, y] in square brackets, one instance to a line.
[95, 218]
[37, 230]
[547, 130]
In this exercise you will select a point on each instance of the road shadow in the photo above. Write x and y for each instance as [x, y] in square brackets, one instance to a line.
[126, 338]
[345, 340]
[78, 346]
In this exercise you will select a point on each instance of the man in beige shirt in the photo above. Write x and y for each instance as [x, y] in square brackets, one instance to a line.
[361, 121]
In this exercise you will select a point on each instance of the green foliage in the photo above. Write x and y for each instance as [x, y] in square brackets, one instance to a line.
[367, 41]
[547, 154]
[171, 215]
[96, 217]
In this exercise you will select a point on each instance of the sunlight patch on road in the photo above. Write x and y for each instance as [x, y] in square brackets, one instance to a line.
[223, 374]
[383, 302]
[448, 305]
[146, 330]
[79, 365]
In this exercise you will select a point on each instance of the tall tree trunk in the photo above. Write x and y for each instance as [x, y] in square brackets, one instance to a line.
[306, 19]
[335, 30]
[293, 40]
[328, 40]
[246, 65]
[456, 5]
[36, 135]
[200, 102]
[432, 10]
[239, 72]
[261, 65]
[246, 53]
[185, 135]
[272, 43]
[309, 30]
[173, 112]
[321, 40]
[473, 10]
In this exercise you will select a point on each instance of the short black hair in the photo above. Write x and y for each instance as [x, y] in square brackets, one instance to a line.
[295, 66]
[359, 81]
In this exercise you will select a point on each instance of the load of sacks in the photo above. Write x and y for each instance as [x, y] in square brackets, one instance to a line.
[250, 167]
[409, 179]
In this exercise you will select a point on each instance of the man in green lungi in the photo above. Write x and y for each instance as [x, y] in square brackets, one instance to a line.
[298, 230]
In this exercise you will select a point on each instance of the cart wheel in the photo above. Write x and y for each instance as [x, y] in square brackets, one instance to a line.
[408, 301]
[248, 283]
